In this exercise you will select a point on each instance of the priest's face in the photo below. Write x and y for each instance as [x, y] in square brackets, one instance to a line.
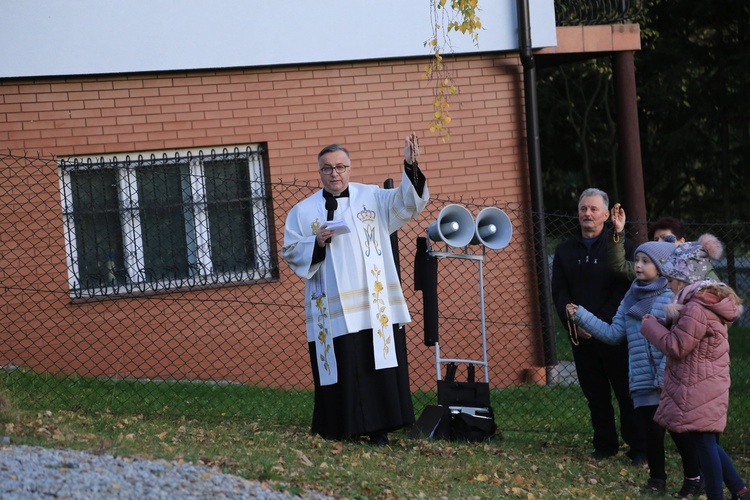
[334, 182]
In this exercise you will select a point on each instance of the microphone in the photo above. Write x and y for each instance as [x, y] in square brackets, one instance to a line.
[331, 205]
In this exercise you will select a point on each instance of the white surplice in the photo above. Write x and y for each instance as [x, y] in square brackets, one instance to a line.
[338, 298]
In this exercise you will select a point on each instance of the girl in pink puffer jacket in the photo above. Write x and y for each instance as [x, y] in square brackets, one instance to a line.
[694, 338]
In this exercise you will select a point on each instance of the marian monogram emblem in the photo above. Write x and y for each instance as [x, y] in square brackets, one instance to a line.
[367, 217]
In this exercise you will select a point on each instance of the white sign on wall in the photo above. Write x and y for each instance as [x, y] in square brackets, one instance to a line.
[72, 37]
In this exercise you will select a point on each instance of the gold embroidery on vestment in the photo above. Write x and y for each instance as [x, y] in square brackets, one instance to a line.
[368, 217]
[323, 332]
[383, 319]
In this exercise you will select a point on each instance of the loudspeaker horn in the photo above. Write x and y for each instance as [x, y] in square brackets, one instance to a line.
[454, 226]
[493, 229]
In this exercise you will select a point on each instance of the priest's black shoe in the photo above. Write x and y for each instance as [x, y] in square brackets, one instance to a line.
[379, 439]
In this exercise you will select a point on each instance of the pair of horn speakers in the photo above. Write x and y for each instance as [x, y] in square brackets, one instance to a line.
[457, 228]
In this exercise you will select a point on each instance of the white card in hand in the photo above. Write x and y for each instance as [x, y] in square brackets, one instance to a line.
[339, 226]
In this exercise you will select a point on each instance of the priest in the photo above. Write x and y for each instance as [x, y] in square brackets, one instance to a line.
[338, 241]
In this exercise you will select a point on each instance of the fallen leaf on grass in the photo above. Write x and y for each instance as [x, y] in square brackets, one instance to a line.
[57, 435]
[303, 458]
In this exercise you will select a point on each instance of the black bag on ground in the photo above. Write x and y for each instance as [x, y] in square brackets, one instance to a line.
[476, 427]
[433, 423]
[471, 416]
[469, 393]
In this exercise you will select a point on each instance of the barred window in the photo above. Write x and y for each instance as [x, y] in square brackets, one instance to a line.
[169, 222]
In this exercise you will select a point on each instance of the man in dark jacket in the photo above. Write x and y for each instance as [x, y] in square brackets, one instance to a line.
[580, 276]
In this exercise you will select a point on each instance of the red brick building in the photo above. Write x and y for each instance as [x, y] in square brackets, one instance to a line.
[282, 115]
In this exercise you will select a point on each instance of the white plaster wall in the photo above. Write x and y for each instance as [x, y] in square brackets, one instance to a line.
[71, 37]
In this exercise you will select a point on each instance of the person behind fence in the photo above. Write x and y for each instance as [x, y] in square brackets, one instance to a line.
[659, 230]
[648, 294]
[694, 338]
[665, 226]
[353, 297]
[580, 276]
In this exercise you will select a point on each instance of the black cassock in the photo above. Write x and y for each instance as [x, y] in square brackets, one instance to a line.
[364, 400]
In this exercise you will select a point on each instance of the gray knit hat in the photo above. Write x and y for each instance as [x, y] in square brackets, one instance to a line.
[689, 262]
[658, 251]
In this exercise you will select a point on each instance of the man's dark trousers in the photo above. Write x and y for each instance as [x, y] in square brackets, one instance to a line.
[603, 368]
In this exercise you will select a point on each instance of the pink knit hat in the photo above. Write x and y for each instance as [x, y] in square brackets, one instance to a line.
[689, 262]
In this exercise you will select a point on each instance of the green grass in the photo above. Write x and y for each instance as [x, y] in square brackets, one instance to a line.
[522, 465]
[262, 433]
[204, 400]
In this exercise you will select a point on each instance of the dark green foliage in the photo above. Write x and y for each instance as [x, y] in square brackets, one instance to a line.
[692, 77]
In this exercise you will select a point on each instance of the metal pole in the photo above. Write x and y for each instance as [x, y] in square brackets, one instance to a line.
[629, 142]
[484, 323]
[537, 197]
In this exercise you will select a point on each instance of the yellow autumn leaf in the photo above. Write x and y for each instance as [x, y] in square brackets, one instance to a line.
[303, 458]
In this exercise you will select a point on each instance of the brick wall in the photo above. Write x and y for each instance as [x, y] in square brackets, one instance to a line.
[294, 110]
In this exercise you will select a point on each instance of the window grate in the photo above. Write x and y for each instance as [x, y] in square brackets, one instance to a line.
[159, 223]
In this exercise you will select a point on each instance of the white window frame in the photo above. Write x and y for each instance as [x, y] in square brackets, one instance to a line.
[196, 220]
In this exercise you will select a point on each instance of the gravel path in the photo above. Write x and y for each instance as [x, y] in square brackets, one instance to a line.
[30, 472]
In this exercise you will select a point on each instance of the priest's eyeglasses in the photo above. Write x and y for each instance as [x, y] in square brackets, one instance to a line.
[328, 169]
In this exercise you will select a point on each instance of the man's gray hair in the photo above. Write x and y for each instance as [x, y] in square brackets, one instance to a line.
[331, 148]
[594, 192]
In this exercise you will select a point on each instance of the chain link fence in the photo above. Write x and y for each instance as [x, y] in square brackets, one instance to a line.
[84, 323]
